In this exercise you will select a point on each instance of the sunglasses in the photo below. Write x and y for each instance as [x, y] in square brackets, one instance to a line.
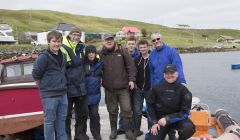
[157, 39]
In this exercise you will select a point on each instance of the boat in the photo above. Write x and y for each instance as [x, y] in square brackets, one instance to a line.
[20, 105]
[217, 126]
[235, 66]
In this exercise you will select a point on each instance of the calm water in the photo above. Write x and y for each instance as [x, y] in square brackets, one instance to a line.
[209, 77]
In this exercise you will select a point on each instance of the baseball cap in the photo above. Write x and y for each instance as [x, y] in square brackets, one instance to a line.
[170, 68]
[107, 36]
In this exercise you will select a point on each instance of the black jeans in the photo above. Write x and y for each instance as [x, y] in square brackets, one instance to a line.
[185, 130]
[94, 121]
[81, 115]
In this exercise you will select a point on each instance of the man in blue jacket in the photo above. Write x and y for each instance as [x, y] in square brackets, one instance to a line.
[161, 55]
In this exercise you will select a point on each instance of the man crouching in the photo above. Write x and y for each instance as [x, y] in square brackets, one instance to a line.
[169, 105]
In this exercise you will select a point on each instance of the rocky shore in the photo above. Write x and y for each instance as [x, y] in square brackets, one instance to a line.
[16, 51]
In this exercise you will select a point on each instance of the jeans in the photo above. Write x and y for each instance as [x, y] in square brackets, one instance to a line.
[94, 121]
[138, 98]
[55, 112]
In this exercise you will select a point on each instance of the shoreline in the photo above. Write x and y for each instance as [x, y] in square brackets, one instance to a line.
[11, 52]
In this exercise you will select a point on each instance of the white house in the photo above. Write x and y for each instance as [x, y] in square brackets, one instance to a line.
[64, 28]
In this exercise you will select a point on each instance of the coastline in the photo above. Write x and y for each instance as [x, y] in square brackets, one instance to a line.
[17, 51]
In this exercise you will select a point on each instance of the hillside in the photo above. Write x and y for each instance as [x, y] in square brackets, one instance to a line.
[42, 20]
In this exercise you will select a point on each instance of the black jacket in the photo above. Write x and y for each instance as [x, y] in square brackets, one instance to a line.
[143, 73]
[169, 101]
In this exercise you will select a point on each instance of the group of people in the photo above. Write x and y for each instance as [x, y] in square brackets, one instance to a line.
[70, 75]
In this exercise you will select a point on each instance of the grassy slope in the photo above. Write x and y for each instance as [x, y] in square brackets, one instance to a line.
[42, 20]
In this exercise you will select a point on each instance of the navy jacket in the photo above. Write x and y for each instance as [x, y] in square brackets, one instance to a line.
[75, 73]
[159, 58]
[170, 101]
[51, 75]
[93, 81]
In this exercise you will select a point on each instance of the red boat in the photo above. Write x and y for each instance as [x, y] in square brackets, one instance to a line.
[20, 104]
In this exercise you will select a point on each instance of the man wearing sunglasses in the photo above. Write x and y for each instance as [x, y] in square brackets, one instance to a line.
[161, 55]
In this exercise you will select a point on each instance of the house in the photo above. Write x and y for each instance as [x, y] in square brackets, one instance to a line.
[129, 31]
[6, 39]
[224, 38]
[64, 28]
[6, 34]
[4, 27]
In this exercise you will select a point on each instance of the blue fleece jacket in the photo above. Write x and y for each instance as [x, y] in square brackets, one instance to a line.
[51, 76]
[159, 58]
[93, 81]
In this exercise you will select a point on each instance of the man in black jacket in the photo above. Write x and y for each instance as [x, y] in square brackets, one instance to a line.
[169, 106]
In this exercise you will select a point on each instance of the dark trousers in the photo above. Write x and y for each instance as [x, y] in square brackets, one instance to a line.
[120, 121]
[94, 121]
[185, 130]
[136, 98]
[115, 98]
[81, 115]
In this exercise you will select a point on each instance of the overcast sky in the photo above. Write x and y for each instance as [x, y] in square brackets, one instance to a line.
[196, 13]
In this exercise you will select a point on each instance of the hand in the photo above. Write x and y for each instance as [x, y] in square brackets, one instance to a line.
[162, 122]
[155, 128]
[131, 85]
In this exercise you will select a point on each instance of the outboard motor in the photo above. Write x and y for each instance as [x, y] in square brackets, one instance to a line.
[228, 125]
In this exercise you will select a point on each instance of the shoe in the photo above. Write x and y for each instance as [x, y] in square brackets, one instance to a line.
[113, 134]
[138, 133]
[120, 131]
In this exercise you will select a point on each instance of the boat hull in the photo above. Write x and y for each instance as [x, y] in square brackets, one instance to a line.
[20, 108]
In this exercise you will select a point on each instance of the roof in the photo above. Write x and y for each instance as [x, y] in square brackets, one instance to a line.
[227, 37]
[19, 58]
[130, 29]
[63, 27]
[5, 26]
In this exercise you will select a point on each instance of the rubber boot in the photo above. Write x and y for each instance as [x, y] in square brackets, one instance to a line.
[128, 129]
[113, 134]
[171, 134]
[137, 131]
[81, 129]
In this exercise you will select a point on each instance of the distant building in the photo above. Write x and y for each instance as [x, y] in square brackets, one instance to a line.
[64, 28]
[129, 31]
[6, 34]
[30, 35]
[4, 27]
[182, 26]
[6, 39]
[224, 38]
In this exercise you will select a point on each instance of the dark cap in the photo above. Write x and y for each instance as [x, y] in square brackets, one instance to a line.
[170, 68]
[75, 30]
[107, 36]
[90, 48]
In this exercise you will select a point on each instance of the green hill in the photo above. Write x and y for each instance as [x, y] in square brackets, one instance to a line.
[42, 20]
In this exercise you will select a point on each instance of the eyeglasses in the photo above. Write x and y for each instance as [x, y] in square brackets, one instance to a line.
[76, 34]
[157, 39]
